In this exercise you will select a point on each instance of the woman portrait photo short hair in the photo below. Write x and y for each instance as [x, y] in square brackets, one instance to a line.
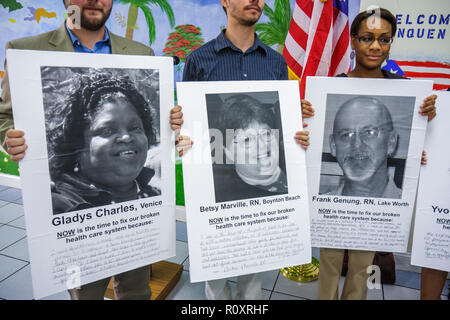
[253, 165]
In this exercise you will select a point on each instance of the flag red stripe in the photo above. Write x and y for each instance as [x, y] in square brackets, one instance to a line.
[335, 15]
[339, 51]
[292, 63]
[429, 64]
[301, 37]
[306, 6]
[320, 39]
[441, 86]
[426, 75]
[324, 19]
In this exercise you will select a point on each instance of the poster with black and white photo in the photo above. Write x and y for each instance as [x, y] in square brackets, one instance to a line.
[244, 178]
[431, 238]
[364, 160]
[98, 176]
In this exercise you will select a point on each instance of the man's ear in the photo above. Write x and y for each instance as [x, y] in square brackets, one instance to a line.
[332, 146]
[224, 4]
[392, 143]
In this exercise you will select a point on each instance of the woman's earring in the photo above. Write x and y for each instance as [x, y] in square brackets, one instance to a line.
[76, 168]
[352, 55]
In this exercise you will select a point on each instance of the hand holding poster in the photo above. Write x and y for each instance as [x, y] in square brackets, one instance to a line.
[251, 214]
[98, 177]
[363, 162]
[431, 241]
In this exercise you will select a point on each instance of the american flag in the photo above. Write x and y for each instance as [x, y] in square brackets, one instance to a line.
[318, 42]
[426, 70]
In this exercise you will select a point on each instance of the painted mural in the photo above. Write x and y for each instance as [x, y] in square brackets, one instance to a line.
[170, 27]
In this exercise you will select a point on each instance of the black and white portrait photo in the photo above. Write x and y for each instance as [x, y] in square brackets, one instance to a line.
[103, 135]
[365, 145]
[248, 158]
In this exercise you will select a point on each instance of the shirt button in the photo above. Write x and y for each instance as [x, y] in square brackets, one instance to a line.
[245, 75]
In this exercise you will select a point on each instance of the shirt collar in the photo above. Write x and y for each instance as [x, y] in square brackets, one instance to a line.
[223, 42]
[76, 42]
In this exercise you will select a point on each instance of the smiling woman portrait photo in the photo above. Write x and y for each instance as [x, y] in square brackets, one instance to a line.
[98, 142]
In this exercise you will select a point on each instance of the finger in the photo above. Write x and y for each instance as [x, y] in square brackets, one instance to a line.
[431, 98]
[305, 124]
[184, 143]
[17, 158]
[15, 142]
[426, 110]
[301, 137]
[427, 107]
[175, 128]
[308, 108]
[16, 151]
[307, 114]
[175, 109]
[182, 150]
[305, 102]
[176, 115]
[176, 121]
[302, 142]
[12, 133]
[302, 133]
[183, 140]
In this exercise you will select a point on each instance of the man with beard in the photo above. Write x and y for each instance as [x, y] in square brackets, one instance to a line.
[236, 54]
[91, 36]
[363, 139]
[86, 33]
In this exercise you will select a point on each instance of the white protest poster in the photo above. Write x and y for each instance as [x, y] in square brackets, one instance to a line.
[245, 178]
[364, 159]
[97, 179]
[431, 240]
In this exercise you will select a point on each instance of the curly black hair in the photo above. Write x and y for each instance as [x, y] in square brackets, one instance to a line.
[84, 101]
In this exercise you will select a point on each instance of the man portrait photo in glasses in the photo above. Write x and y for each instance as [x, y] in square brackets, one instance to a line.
[362, 140]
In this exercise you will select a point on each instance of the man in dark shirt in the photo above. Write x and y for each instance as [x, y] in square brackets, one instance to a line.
[236, 54]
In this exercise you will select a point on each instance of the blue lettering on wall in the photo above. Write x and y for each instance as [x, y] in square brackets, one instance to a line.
[432, 19]
[420, 19]
[420, 35]
[426, 21]
[407, 20]
[443, 20]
